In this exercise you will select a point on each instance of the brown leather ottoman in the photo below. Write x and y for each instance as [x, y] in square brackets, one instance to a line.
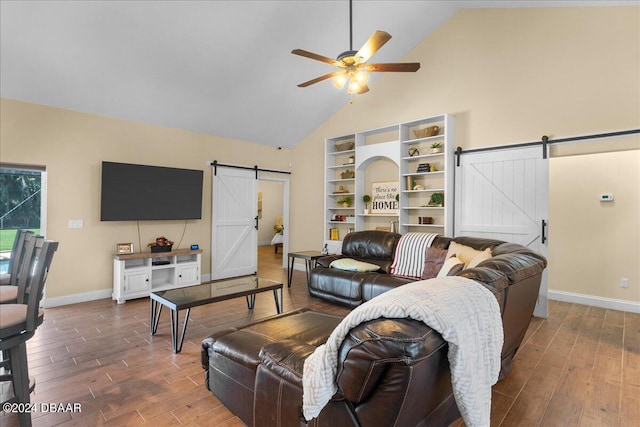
[231, 356]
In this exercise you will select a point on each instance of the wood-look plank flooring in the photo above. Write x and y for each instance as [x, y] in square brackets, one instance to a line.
[579, 367]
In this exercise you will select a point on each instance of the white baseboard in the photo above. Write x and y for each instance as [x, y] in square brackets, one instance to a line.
[89, 296]
[76, 298]
[602, 302]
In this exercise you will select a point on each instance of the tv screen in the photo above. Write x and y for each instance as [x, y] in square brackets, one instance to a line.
[138, 192]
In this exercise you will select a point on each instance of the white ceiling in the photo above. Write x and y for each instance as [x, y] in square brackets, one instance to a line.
[215, 67]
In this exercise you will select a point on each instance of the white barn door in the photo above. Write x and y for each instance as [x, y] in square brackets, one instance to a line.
[234, 233]
[504, 194]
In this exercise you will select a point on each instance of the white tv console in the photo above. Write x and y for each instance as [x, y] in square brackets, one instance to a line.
[137, 275]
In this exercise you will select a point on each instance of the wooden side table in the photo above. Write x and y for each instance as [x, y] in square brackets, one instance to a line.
[310, 258]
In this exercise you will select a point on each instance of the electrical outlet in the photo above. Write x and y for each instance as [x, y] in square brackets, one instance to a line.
[624, 282]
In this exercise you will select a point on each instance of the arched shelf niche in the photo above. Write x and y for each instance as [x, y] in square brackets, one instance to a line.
[374, 166]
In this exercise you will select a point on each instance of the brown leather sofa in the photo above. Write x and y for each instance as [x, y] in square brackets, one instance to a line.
[390, 371]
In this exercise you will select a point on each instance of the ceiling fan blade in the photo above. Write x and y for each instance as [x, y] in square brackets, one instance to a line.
[396, 67]
[321, 78]
[375, 42]
[315, 56]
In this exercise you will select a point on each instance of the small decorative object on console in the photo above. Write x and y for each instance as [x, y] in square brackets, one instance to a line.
[162, 244]
[124, 248]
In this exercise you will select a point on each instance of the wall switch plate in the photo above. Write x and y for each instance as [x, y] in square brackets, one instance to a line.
[624, 282]
[76, 223]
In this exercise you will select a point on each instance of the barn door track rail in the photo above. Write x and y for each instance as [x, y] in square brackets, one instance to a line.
[545, 141]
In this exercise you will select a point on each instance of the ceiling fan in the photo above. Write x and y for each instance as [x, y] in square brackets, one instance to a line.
[353, 65]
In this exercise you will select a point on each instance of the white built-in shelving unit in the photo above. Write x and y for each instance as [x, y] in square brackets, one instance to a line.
[383, 154]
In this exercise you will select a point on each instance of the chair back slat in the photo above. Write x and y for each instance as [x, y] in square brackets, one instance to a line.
[17, 255]
[37, 279]
[26, 263]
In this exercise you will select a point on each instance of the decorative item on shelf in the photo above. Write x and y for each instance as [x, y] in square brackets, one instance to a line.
[433, 168]
[341, 190]
[436, 147]
[345, 201]
[350, 230]
[347, 174]
[333, 234]
[393, 226]
[413, 151]
[338, 217]
[351, 160]
[124, 248]
[423, 167]
[418, 187]
[162, 244]
[426, 132]
[366, 199]
[437, 200]
[325, 250]
[425, 220]
[344, 145]
[409, 182]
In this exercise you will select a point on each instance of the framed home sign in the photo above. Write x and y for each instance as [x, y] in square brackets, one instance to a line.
[384, 197]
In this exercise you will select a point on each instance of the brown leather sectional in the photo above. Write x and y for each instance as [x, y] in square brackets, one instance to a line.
[391, 372]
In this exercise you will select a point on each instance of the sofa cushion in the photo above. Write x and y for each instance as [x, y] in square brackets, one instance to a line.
[350, 264]
[370, 244]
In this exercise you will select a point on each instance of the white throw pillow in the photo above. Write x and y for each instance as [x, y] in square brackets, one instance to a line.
[466, 254]
[349, 264]
[482, 256]
[448, 265]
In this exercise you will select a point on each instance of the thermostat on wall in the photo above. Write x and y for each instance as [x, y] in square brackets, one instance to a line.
[606, 197]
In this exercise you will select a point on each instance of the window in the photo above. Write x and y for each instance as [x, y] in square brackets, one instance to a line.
[22, 201]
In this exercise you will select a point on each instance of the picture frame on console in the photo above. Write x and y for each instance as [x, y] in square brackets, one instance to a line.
[124, 248]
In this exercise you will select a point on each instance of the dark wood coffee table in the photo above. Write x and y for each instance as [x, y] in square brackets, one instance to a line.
[207, 293]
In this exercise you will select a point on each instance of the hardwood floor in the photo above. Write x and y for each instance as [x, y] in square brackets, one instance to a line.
[579, 367]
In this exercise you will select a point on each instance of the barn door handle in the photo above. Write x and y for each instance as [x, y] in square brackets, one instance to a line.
[256, 222]
[544, 226]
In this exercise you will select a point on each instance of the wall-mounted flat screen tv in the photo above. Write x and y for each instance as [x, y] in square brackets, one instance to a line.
[138, 192]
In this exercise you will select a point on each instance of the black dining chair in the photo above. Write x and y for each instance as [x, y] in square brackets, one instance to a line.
[18, 322]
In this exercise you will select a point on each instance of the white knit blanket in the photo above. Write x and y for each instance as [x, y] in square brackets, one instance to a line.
[464, 312]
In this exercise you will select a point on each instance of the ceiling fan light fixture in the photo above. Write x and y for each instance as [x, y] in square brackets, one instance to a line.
[361, 76]
[339, 80]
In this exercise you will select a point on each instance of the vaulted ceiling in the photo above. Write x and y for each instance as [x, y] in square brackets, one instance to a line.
[216, 67]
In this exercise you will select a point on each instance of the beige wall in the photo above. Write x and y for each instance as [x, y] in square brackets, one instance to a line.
[72, 146]
[513, 75]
